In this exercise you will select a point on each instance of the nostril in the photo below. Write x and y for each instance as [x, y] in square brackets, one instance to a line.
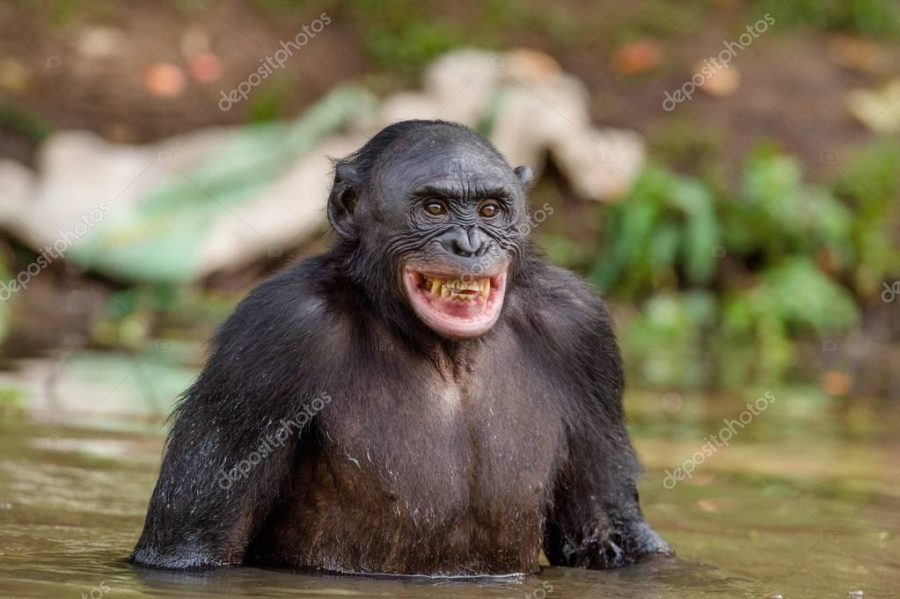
[453, 246]
[461, 250]
[465, 243]
[462, 247]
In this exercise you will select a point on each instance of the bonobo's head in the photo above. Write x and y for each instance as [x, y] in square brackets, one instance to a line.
[433, 207]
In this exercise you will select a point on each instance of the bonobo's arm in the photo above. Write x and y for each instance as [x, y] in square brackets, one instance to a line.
[595, 520]
[231, 447]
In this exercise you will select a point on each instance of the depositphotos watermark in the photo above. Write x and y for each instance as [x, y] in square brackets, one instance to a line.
[52, 252]
[272, 63]
[540, 592]
[277, 438]
[98, 592]
[891, 292]
[714, 443]
[535, 219]
[713, 64]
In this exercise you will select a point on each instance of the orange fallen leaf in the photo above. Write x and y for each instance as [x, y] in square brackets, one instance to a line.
[835, 383]
[164, 80]
[205, 67]
[638, 57]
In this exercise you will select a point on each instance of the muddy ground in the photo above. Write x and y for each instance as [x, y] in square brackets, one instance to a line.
[791, 90]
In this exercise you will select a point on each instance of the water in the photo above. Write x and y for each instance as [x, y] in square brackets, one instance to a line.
[804, 502]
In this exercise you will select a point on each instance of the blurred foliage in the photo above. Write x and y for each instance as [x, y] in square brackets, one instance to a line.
[870, 17]
[25, 122]
[403, 36]
[754, 338]
[778, 213]
[132, 317]
[659, 18]
[666, 344]
[272, 101]
[12, 403]
[668, 222]
[871, 187]
[729, 282]
[65, 13]
[502, 15]
[397, 34]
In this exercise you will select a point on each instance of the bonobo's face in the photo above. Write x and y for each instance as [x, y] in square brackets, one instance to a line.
[450, 210]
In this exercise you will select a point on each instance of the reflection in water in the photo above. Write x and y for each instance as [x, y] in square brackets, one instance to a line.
[664, 578]
[803, 503]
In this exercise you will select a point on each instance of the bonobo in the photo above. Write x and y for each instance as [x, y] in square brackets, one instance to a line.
[429, 397]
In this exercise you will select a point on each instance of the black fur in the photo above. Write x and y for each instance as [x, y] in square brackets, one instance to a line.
[418, 454]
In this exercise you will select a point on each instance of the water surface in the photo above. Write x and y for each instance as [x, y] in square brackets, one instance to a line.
[803, 502]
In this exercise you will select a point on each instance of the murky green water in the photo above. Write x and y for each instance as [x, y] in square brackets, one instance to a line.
[803, 502]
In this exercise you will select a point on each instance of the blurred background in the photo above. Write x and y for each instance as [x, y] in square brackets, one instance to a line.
[725, 172]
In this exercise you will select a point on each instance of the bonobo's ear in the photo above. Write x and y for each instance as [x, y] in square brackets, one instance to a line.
[524, 175]
[343, 199]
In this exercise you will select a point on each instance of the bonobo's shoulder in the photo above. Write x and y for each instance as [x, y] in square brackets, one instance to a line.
[564, 312]
[288, 312]
[552, 292]
[290, 297]
[560, 307]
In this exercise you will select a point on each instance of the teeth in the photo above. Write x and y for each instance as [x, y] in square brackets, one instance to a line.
[455, 288]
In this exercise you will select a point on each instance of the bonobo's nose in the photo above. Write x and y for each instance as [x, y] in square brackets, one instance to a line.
[465, 242]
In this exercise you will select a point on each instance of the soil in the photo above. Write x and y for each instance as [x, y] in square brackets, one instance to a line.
[790, 92]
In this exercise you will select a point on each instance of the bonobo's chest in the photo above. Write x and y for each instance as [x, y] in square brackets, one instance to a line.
[476, 437]
[423, 468]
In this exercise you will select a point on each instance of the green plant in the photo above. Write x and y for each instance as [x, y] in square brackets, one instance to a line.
[23, 122]
[778, 213]
[401, 37]
[871, 187]
[271, 101]
[872, 17]
[666, 227]
[64, 14]
[501, 15]
[658, 18]
[132, 316]
[787, 244]
[758, 324]
[665, 344]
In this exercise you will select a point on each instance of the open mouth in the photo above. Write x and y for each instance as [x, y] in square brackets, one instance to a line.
[456, 306]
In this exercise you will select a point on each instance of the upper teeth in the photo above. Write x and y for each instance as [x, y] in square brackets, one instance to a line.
[457, 288]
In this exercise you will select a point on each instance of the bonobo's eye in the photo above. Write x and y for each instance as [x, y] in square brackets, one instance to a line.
[435, 208]
[489, 209]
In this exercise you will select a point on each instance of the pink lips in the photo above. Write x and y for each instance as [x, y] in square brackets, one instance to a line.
[458, 308]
